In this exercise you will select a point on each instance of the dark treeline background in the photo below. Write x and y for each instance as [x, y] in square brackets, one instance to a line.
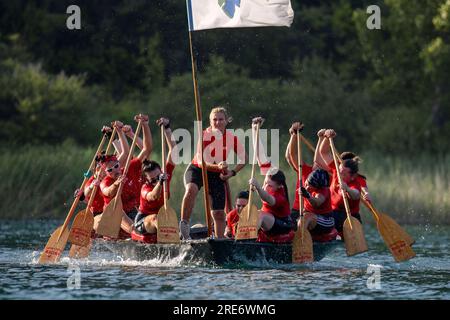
[380, 89]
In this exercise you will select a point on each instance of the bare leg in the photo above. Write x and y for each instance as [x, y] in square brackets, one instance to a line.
[188, 201]
[266, 221]
[97, 219]
[310, 221]
[151, 223]
[219, 223]
[186, 208]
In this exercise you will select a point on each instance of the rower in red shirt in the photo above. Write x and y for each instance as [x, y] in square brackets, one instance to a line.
[275, 214]
[361, 179]
[317, 205]
[151, 195]
[218, 142]
[133, 181]
[233, 215]
[349, 173]
[291, 158]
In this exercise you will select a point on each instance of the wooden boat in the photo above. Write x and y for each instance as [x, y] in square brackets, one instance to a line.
[218, 252]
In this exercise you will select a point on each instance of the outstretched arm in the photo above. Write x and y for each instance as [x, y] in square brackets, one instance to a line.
[168, 136]
[130, 134]
[318, 159]
[148, 141]
[291, 151]
[326, 156]
[125, 148]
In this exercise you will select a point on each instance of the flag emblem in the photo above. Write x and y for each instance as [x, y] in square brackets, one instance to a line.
[229, 6]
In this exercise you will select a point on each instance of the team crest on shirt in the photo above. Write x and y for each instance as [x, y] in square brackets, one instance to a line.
[229, 6]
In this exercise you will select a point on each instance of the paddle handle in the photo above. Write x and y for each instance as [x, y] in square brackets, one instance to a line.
[113, 135]
[198, 113]
[371, 208]
[300, 173]
[77, 199]
[344, 196]
[163, 163]
[127, 164]
[255, 151]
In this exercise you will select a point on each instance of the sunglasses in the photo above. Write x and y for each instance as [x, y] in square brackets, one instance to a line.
[112, 168]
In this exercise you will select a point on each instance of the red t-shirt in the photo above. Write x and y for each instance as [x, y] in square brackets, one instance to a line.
[337, 203]
[306, 170]
[325, 207]
[131, 189]
[97, 203]
[362, 181]
[281, 207]
[152, 207]
[217, 146]
[232, 220]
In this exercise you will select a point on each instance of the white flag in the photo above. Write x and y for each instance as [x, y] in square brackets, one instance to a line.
[211, 14]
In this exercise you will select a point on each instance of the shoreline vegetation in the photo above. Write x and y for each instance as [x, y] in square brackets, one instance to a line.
[39, 182]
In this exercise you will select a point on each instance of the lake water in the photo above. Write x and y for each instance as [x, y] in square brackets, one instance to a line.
[105, 276]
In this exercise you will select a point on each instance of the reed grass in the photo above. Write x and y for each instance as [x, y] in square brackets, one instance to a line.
[38, 182]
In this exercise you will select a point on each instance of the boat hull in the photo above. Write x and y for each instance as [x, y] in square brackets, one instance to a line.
[215, 251]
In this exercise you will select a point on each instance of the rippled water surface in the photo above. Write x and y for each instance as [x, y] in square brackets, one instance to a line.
[106, 276]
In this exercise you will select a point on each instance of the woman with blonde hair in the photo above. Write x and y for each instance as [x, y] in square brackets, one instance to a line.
[218, 142]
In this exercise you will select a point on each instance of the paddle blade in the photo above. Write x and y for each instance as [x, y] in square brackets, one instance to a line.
[80, 252]
[397, 229]
[400, 249]
[80, 233]
[354, 239]
[111, 218]
[168, 230]
[302, 247]
[248, 223]
[54, 248]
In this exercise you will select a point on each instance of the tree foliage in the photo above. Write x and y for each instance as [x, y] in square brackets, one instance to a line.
[383, 89]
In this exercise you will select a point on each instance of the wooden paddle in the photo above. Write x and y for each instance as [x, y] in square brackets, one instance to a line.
[398, 241]
[58, 240]
[111, 218]
[354, 239]
[83, 224]
[168, 230]
[302, 244]
[248, 219]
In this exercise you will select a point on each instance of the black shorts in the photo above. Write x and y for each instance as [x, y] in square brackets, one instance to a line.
[132, 214]
[216, 185]
[295, 214]
[339, 219]
[139, 223]
[281, 226]
[324, 225]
